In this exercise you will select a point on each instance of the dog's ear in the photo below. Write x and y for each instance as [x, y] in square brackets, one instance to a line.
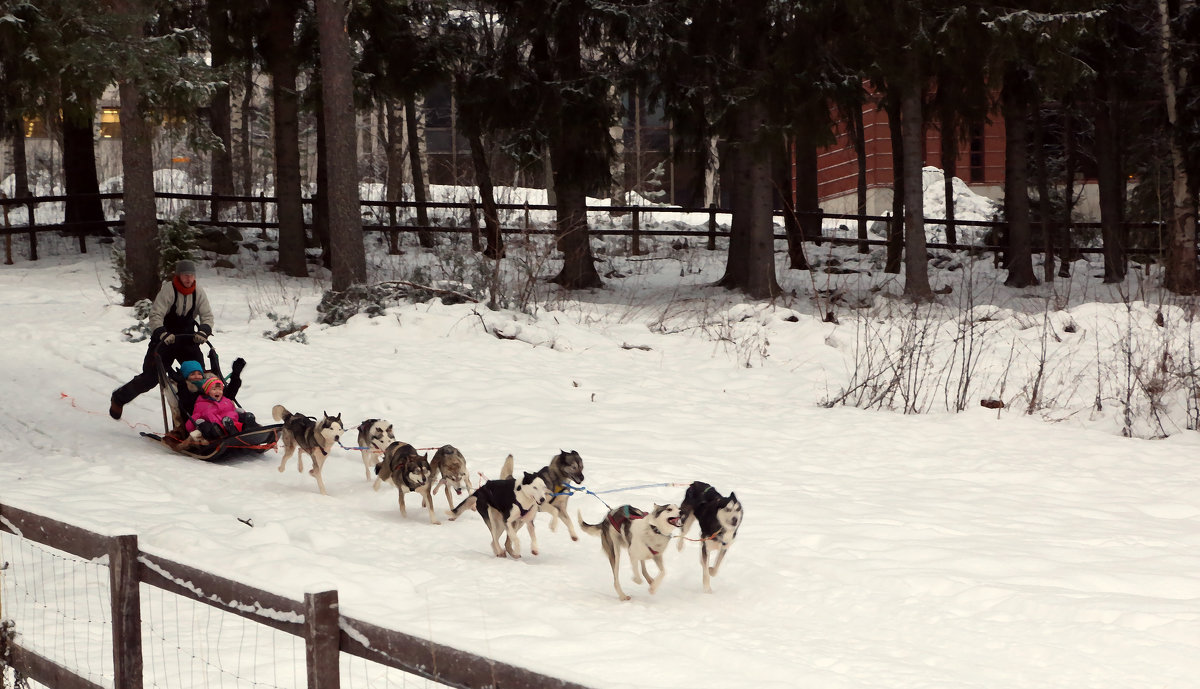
[733, 498]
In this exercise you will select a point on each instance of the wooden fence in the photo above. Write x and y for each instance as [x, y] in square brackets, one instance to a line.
[326, 632]
[387, 213]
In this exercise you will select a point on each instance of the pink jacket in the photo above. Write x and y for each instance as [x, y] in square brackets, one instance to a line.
[208, 409]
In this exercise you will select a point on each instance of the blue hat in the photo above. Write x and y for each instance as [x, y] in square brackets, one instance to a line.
[189, 367]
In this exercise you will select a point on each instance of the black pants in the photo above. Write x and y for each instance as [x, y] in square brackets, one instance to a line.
[182, 349]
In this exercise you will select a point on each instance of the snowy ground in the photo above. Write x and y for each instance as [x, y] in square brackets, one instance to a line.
[985, 549]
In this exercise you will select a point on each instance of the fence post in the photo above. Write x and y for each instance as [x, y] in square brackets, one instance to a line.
[637, 233]
[124, 583]
[321, 639]
[473, 216]
[32, 232]
[7, 236]
[712, 227]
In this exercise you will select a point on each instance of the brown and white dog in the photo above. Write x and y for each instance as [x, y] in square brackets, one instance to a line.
[448, 469]
[719, 516]
[642, 535]
[304, 435]
[564, 467]
[505, 504]
[408, 471]
[374, 435]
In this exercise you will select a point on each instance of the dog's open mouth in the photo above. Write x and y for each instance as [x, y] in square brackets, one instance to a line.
[674, 521]
[458, 491]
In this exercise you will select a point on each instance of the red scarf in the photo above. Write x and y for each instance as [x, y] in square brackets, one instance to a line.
[180, 288]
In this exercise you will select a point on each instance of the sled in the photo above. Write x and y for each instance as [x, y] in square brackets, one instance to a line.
[257, 440]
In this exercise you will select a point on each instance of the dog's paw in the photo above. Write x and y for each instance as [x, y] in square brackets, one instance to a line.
[625, 597]
[574, 538]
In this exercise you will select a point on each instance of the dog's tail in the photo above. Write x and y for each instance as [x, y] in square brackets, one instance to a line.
[506, 470]
[463, 507]
[280, 413]
[593, 529]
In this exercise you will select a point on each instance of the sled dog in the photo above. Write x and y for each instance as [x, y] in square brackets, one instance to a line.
[448, 469]
[306, 436]
[643, 536]
[719, 518]
[374, 435]
[564, 467]
[504, 504]
[408, 471]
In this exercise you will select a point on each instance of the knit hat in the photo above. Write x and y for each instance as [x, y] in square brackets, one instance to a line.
[185, 267]
[189, 367]
[211, 382]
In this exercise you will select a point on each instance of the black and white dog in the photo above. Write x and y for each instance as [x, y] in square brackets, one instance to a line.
[374, 436]
[643, 536]
[719, 517]
[504, 505]
[304, 435]
[408, 471]
[564, 467]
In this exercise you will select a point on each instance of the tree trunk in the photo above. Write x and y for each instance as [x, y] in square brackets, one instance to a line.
[616, 165]
[1111, 190]
[395, 168]
[487, 196]
[320, 206]
[417, 165]
[1180, 270]
[79, 171]
[860, 155]
[1043, 185]
[712, 172]
[1015, 108]
[916, 255]
[751, 264]
[283, 63]
[574, 166]
[896, 229]
[137, 171]
[337, 84]
[220, 108]
[20, 162]
[1066, 251]
[792, 224]
[247, 125]
[807, 199]
[949, 172]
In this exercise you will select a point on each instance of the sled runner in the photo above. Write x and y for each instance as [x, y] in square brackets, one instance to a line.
[257, 440]
[175, 438]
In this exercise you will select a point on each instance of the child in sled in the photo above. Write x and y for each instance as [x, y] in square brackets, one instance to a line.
[215, 416]
[190, 377]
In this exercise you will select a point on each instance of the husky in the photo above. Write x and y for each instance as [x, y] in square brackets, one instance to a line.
[408, 472]
[719, 518]
[644, 536]
[374, 435]
[504, 505]
[306, 436]
[448, 469]
[564, 467]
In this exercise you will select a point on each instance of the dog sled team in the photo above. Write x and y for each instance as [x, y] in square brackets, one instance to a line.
[205, 415]
[509, 504]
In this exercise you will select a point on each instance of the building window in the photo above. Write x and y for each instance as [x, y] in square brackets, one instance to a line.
[35, 128]
[977, 171]
[110, 123]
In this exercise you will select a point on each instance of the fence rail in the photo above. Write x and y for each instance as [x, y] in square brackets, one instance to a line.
[327, 633]
[391, 209]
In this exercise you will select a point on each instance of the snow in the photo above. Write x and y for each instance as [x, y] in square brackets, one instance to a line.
[986, 548]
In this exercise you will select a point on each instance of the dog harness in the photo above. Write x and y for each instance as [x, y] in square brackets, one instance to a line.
[623, 515]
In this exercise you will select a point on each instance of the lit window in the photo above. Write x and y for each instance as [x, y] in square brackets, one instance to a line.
[110, 123]
[35, 128]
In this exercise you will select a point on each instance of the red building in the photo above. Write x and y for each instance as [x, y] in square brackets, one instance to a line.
[980, 163]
